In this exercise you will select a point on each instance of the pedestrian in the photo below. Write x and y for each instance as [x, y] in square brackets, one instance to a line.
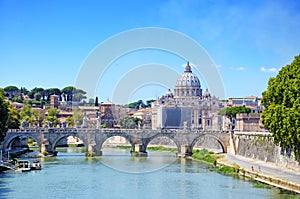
[252, 169]
[215, 163]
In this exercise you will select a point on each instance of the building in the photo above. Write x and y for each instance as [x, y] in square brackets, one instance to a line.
[188, 107]
[252, 102]
[54, 101]
[145, 115]
[107, 110]
[249, 122]
[91, 114]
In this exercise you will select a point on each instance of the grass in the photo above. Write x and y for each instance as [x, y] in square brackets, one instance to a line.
[262, 185]
[72, 145]
[226, 170]
[123, 147]
[211, 158]
[162, 148]
[205, 155]
[152, 148]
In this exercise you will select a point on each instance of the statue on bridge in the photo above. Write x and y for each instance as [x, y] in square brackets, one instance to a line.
[84, 120]
[98, 122]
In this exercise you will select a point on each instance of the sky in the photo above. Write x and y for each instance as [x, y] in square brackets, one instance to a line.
[47, 43]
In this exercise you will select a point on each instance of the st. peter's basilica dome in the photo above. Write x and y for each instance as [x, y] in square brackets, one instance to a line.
[188, 85]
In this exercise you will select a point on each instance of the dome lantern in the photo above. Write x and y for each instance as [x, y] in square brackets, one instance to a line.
[188, 67]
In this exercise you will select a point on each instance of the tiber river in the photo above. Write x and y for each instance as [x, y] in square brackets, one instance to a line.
[118, 175]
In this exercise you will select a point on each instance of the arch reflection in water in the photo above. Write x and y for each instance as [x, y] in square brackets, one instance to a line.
[121, 160]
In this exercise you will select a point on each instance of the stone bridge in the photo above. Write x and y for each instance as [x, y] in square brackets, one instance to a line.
[93, 139]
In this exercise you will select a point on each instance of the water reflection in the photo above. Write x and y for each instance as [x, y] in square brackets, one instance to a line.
[121, 160]
[4, 189]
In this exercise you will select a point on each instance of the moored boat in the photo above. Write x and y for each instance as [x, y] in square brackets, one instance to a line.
[23, 166]
[36, 165]
[6, 165]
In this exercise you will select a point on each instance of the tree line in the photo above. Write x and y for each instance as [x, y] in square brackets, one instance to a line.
[140, 104]
[38, 94]
[282, 107]
[11, 118]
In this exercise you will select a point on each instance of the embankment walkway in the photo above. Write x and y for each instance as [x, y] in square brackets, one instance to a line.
[266, 172]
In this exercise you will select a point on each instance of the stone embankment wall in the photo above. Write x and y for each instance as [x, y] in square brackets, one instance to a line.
[260, 146]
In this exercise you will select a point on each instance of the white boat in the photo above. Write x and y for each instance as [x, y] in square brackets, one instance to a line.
[23, 166]
[36, 165]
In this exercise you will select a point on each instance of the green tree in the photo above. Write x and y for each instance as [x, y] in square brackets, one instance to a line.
[129, 122]
[11, 91]
[70, 121]
[51, 91]
[37, 118]
[69, 92]
[32, 117]
[26, 114]
[149, 102]
[137, 104]
[52, 117]
[232, 111]
[73, 94]
[13, 120]
[78, 116]
[282, 107]
[91, 102]
[79, 95]
[24, 90]
[35, 90]
[37, 96]
[3, 115]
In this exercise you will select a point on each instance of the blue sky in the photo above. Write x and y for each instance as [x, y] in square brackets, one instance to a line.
[45, 43]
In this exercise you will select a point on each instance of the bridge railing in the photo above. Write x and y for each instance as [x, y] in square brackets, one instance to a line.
[40, 130]
[111, 130]
[27, 130]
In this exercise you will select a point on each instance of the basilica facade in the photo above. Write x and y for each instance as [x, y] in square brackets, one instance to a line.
[188, 107]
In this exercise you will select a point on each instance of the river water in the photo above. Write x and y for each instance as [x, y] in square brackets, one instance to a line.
[117, 175]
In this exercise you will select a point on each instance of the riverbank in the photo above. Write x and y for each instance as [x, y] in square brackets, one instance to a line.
[259, 171]
[251, 169]
[263, 172]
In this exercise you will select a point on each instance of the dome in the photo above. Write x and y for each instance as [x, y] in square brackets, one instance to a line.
[206, 94]
[188, 84]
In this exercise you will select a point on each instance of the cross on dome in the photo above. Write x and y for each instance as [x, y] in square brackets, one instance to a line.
[188, 67]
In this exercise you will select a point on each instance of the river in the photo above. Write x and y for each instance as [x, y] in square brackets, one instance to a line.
[117, 175]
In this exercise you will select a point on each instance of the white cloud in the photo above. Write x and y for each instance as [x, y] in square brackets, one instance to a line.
[268, 70]
[241, 68]
[217, 65]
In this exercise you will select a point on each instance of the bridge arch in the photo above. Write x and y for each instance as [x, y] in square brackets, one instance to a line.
[10, 140]
[168, 135]
[58, 139]
[196, 139]
[109, 135]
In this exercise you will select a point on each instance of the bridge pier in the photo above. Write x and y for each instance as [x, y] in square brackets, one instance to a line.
[231, 148]
[185, 151]
[93, 150]
[46, 149]
[139, 150]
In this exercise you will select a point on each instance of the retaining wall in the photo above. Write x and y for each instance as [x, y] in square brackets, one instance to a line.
[261, 146]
